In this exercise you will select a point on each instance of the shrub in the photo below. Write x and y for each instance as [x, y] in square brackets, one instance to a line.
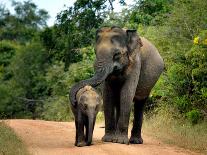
[7, 51]
[194, 116]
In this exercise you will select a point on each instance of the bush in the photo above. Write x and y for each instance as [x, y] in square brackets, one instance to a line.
[194, 116]
[57, 109]
[7, 51]
[182, 43]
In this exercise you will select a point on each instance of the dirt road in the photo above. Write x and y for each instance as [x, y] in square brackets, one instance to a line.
[57, 138]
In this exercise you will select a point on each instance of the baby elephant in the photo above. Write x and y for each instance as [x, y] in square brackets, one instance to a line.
[88, 105]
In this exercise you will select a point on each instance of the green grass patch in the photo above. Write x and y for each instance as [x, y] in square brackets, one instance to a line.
[10, 144]
[169, 128]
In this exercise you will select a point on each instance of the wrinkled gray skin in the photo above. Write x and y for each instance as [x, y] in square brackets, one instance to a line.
[88, 105]
[129, 66]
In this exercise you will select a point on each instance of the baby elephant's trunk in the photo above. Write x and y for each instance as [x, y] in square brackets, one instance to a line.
[91, 122]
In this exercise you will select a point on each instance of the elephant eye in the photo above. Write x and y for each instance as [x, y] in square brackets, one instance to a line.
[117, 54]
[84, 106]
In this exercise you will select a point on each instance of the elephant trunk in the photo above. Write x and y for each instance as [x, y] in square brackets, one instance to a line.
[99, 76]
[91, 123]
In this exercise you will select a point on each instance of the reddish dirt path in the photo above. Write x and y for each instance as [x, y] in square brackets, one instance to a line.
[57, 138]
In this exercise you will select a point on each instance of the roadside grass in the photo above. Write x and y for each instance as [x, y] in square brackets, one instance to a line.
[100, 117]
[10, 144]
[165, 125]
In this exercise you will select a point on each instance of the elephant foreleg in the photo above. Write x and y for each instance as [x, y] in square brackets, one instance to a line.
[127, 94]
[136, 137]
[109, 113]
[121, 135]
[79, 123]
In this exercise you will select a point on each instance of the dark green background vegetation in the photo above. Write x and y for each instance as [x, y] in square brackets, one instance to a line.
[39, 64]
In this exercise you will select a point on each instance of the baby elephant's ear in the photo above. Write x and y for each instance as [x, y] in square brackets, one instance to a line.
[133, 40]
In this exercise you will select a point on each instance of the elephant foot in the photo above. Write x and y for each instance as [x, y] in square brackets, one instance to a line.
[108, 138]
[136, 140]
[89, 143]
[80, 144]
[121, 138]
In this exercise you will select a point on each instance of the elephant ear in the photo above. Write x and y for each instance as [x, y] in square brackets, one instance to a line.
[133, 40]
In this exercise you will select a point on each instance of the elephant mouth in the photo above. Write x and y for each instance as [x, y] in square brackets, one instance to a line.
[117, 71]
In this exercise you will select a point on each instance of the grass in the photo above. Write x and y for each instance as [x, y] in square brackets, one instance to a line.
[10, 144]
[100, 117]
[165, 126]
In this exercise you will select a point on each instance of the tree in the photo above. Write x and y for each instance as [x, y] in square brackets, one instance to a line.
[22, 25]
[75, 27]
[78, 24]
[28, 68]
[182, 40]
[150, 12]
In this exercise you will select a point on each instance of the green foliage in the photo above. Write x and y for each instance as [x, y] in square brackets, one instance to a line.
[23, 25]
[7, 51]
[20, 67]
[197, 58]
[4, 100]
[187, 19]
[57, 106]
[30, 15]
[57, 109]
[23, 92]
[28, 69]
[10, 144]
[150, 12]
[76, 27]
[193, 115]
[117, 18]
[184, 82]
[39, 64]
[22, 60]
[182, 103]
[11, 106]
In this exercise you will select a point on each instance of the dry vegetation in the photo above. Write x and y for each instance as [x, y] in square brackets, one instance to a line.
[10, 144]
[164, 126]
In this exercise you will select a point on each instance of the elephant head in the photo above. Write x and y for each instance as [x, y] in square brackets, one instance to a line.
[114, 48]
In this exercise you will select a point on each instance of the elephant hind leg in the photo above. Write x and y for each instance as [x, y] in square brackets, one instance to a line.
[136, 137]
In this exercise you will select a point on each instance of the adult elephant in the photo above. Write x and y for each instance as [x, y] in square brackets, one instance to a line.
[129, 66]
